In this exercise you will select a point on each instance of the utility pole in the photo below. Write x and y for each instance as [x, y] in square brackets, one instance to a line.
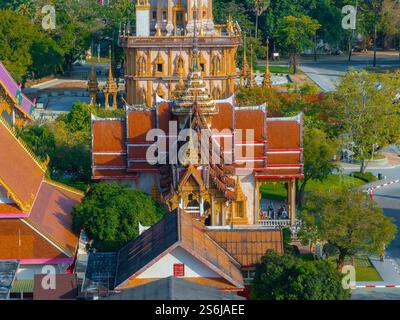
[353, 34]
[374, 64]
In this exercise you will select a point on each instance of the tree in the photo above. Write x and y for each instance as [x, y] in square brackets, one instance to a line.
[259, 7]
[368, 113]
[349, 221]
[79, 119]
[111, 213]
[47, 57]
[291, 278]
[318, 159]
[16, 36]
[40, 139]
[296, 34]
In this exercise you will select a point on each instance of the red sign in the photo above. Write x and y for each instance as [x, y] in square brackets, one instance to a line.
[179, 270]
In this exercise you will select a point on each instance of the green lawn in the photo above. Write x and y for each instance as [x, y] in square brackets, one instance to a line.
[365, 271]
[274, 69]
[367, 274]
[277, 191]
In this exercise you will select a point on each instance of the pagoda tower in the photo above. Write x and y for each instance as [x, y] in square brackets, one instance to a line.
[93, 87]
[245, 72]
[267, 83]
[251, 80]
[160, 47]
[110, 88]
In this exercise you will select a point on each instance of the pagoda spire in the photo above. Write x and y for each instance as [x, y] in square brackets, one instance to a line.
[252, 80]
[245, 66]
[267, 83]
[93, 86]
[111, 87]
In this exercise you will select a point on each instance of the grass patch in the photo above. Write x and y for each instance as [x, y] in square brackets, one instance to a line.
[278, 192]
[368, 177]
[382, 69]
[367, 274]
[275, 69]
[365, 271]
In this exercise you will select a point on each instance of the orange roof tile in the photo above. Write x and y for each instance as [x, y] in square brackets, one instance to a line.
[19, 241]
[248, 246]
[20, 174]
[51, 215]
[140, 122]
[108, 136]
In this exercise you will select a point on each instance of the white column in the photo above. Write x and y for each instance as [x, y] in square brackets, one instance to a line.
[292, 201]
[201, 207]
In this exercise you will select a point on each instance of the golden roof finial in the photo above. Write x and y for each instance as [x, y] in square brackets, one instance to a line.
[230, 25]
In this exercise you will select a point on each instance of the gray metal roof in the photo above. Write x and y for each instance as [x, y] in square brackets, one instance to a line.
[100, 272]
[174, 289]
[8, 270]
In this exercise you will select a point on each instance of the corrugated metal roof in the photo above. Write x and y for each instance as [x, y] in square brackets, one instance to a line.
[8, 270]
[173, 288]
[22, 286]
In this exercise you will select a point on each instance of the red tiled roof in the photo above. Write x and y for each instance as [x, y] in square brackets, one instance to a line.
[19, 171]
[139, 123]
[109, 136]
[248, 246]
[51, 215]
[19, 241]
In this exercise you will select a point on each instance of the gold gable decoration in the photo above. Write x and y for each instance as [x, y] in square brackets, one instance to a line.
[159, 62]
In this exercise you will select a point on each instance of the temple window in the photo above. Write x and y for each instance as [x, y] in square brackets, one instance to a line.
[159, 63]
[154, 15]
[203, 67]
[179, 270]
[164, 15]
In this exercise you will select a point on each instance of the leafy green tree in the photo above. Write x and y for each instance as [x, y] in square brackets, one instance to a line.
[47, 57]
[347, 220]
[292, 278]
[111, 213]
[236, 9]
[40, 139]
[318, 159]
[16, 36]
[367, 112]
[296, 34]
[79, 119]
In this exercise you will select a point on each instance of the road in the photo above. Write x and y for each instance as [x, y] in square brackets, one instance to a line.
[327, 69]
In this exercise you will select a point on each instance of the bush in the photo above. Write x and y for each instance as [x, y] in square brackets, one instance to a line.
[111, 213]
[368, 177]
[289, 277]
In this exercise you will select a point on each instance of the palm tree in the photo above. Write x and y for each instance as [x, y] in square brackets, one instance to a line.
[259, 7]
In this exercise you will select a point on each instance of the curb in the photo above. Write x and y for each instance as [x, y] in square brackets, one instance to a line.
[375, 286]
[383, 185]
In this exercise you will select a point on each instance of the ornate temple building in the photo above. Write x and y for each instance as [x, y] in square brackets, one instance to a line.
[243, 148]
[159, 51]
[15, 108]
[35, 212]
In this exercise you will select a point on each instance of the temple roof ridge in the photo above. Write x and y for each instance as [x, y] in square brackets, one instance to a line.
[297, 118]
